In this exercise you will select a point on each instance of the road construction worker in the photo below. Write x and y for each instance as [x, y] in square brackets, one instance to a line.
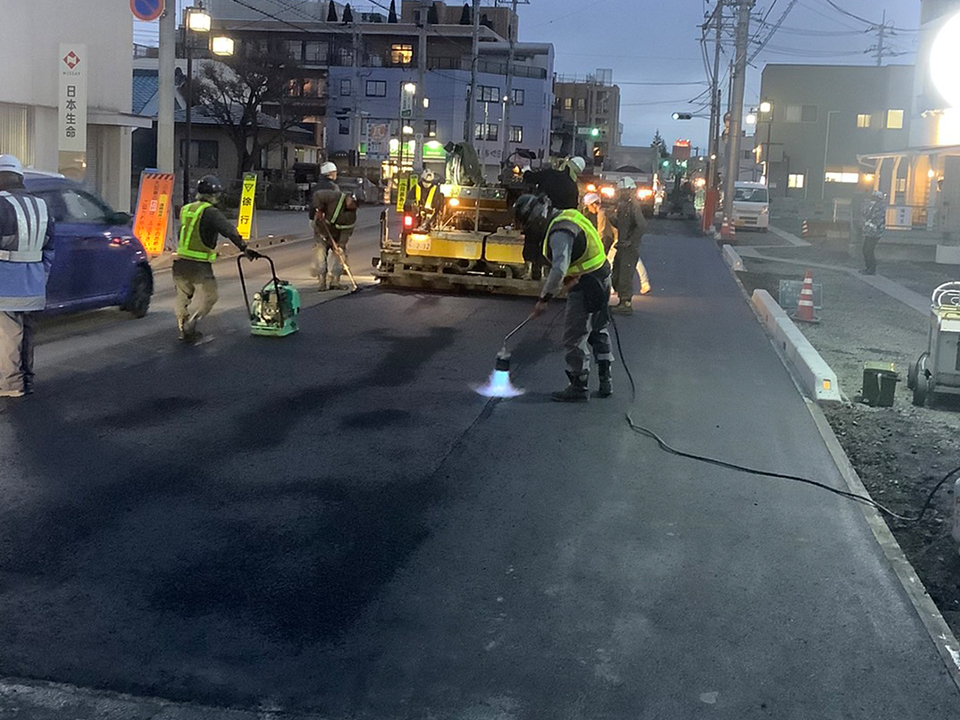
[630, 225]
[427, 197]
[334, 217]
[874, 224]
[559, 185]
[327, 181]
[594, 210]
[578, 262]
[26, 257]
[201, 225]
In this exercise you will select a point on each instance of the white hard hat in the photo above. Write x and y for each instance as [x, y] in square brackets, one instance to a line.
[591, 198]
[10, 164]
[579, 163]
[428, 176]
[327, 168]
[626, 183]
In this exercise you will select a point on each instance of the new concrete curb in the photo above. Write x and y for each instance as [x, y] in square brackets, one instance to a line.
[733, 258]
[815, 376]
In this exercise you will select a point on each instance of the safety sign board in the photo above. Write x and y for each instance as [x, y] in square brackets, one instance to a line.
[147, 10]
[401, 193]
[153, 210]
[245, 218]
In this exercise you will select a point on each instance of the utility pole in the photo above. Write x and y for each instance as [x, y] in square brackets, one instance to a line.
[714, 144]
[355, 115]
[168, 50]
[882, 29]
[471, 121]
[508, 94]
[736, 105]
[419, 126]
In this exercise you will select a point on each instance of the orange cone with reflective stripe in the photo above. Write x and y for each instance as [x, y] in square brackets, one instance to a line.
[805, 306]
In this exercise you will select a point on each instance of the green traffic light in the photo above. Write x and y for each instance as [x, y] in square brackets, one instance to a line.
[595, 132]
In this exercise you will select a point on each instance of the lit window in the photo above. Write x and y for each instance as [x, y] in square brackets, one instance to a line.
[568, 103]
[431, 128]
[846, 178]
[795, 181]
[901, 184]
[401, 54]
[894, 119]
[863, 121]
[486, 131]
[516, 133]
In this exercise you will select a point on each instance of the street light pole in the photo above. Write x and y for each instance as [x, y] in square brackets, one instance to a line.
[826, 148]
[736, 106]
[508, 95]
[195, 20]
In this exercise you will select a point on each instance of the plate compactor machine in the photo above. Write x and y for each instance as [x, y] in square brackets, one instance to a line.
[275, 310]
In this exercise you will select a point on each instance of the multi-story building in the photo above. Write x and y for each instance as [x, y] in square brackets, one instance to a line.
[580, 105]
[823, 119]
[31, 34]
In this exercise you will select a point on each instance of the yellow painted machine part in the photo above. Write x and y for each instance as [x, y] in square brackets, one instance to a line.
[504, 250]
[451, 246]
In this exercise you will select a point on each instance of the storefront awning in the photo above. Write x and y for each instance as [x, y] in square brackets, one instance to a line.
[118, 119]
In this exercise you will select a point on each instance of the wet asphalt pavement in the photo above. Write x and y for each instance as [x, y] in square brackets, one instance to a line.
[334, 523]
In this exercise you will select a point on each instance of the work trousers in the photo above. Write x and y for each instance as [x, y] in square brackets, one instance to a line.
[585, 326]
[16, 350]
[627, 264]
[870, 253]
[326, 259]
[192, 279]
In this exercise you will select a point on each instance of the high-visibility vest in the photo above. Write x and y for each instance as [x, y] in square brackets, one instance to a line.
[191, 245]
[32, 220]
[592, 256]
[430, 195]
[336, 215]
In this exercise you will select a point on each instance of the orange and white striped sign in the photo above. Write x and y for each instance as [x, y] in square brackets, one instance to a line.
[153, 210]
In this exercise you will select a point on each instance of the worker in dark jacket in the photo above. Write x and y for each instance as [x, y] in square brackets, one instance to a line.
[629, 225]
[201, 225]
[559, 185]
[327, 181]
[26, 257]
[335, 216]
[874, 225]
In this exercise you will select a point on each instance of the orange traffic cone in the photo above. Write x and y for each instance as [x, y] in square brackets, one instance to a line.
[805, 305]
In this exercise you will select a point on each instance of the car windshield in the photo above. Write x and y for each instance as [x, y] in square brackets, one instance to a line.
[756, 195]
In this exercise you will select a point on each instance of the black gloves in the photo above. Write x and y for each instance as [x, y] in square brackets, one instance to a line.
[251, 254]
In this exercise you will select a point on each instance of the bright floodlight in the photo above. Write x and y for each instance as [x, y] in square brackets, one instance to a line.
[410, 88]
[944, 60]
[222, 45]
[751, 119]
[198, 20]
[765, 107]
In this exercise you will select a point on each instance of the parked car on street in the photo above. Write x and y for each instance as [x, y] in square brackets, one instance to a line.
[99, 262]
[751, 206]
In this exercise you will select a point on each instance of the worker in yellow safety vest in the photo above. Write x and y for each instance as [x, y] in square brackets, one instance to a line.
[201, 225]
[574, 250]
[428, 198]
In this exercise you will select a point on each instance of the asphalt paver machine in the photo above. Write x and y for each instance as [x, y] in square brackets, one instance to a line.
[937, 370]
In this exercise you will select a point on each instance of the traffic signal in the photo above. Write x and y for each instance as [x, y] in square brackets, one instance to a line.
[665, 163]
[594, 132]
[682, 116]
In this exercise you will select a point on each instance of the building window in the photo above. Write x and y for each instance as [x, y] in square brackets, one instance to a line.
[516, 133]
[401, 54]
[568, 103]
[346, 87]
[800, 114]
[863, 121]
[315, 52]
[894, 119]
[295, 50]
[203, 153]
[487, 131]
[344, 126]
[376, 88]
[488, 93]
[846, 178]
[581, 103]
[900, 184]
[518, 97]
[795, 181]
[431, 128]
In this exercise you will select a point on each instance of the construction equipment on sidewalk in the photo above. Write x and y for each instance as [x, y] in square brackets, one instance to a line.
[275, 309]
[937, 370]
[499, 384]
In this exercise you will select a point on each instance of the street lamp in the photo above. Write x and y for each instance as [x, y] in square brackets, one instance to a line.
[195, 20]
[751, 118]
[766, 114]
[222, 46]
[765, 107]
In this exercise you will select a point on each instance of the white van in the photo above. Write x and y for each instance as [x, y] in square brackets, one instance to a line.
[751, 205]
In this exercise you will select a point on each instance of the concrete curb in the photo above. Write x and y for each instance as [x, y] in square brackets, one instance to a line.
[943, 638]
[789, 237]
[733, 258]
[815, 376]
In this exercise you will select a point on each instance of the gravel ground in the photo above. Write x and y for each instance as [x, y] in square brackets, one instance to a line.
[902, 452]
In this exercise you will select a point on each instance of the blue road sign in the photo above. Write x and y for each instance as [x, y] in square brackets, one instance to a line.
[147, 10]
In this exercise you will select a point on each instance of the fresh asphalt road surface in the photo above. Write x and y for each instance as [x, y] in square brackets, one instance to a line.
[334, 523]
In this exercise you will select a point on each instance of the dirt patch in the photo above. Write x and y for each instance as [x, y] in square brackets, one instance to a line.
[901, 452]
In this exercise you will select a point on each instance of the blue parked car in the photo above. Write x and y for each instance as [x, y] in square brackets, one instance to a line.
[99, 262]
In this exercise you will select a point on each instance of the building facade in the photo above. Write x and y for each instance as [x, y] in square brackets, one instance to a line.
[580, 105]
[30, 37]
[823, 119]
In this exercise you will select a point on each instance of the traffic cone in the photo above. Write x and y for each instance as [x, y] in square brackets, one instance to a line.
[728, 230]
[805, 305]
[805, 229]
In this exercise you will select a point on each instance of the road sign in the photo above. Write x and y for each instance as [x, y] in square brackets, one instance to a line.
[147, 10]
[245, 218]
[406, 103]
[153, 210]
[402, 183]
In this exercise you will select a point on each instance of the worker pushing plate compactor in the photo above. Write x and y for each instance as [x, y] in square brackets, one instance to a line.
[470, 244]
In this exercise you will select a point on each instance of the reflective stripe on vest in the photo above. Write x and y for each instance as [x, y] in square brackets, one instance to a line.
[430, 195]
[32, 221]
[191, 244]
[593, 255]
[336, 215]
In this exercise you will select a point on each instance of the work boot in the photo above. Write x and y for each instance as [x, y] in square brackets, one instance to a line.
[624, 307]
[181, 329]
[576, 391]
[645, 288]
[333, 282]
[606, 379]
[528, 270]
[322, 285]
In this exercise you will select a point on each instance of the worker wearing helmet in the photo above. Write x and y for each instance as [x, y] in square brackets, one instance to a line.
[26, 256]
[327, 181]
[427, 197]
[333, 222]
[874, 225]
[577, 260]
[201, 225]
[560, 184]
[630, 225]
[594, 210]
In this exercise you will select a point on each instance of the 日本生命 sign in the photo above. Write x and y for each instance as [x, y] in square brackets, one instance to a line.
[245, 218]
[72, 132]
[153, 210]
[147, 10]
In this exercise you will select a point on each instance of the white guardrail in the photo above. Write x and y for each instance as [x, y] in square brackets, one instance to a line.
[814, 374]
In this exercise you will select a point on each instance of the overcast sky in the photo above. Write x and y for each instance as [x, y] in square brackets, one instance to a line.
[658, 41]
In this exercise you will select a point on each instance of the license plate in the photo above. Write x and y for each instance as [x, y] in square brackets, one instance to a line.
[421, 244]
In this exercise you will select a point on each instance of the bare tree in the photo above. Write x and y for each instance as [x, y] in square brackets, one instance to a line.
[234, 94]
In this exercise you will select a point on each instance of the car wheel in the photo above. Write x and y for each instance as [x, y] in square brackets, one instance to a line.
[922, 384]
[141, 291]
